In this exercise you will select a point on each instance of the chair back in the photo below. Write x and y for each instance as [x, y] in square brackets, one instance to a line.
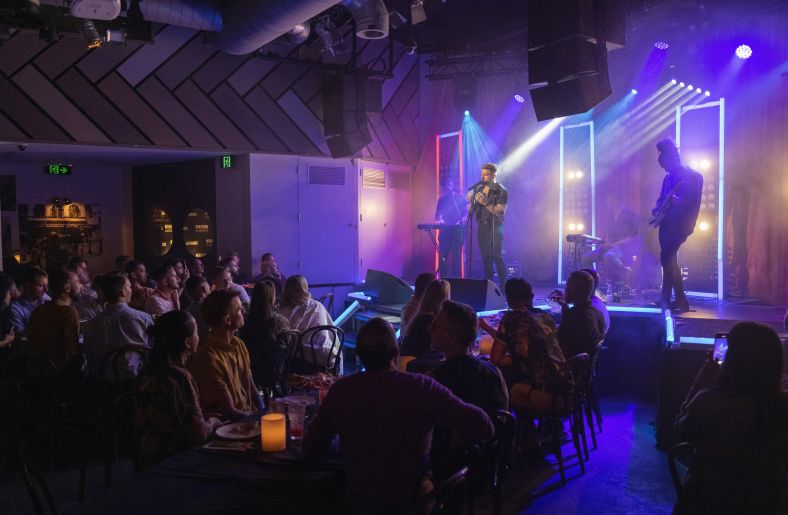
[327, 301]
[578, 368]
[447, 497]
[286, 349]
[505, 430]
[115, 365]
[311, 347]
[678, 450]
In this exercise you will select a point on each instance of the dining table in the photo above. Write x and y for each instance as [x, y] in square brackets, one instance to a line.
[203, 480]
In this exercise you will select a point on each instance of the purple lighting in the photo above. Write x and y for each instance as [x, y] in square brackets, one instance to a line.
[661, 45]
[634, 91]
[743, 52]
[519, 98]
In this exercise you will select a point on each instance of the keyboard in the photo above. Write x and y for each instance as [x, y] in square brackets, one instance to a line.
[583, 239]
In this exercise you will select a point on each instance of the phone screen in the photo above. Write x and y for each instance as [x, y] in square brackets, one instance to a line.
[720, 347]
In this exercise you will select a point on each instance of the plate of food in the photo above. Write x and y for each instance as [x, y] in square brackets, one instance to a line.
[239, 430]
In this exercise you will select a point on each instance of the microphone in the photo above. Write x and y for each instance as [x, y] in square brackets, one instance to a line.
[475, 185]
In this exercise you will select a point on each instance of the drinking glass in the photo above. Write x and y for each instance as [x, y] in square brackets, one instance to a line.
[295, 416]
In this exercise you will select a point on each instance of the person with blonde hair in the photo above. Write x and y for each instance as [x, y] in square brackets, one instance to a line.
[418, 342]
[302, 311]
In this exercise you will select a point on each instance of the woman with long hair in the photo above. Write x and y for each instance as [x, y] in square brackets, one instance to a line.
[169, 417]
[410, 308]
[735, 416]
[302, 311]
[260, 332]
[418, 342]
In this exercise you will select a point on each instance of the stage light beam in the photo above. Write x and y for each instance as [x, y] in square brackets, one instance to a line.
[703, 226]
[634, 91]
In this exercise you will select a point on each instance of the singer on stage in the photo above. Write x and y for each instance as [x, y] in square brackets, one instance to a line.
[488, 201]
[451, 211]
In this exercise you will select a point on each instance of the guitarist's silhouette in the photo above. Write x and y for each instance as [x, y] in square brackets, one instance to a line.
[675, 214]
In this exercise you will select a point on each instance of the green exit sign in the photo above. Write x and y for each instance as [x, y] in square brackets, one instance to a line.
[57, 169]
[227, 161]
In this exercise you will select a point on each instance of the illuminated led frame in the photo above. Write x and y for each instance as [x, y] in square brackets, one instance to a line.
[438, 138]
[590, 125]
[680, 110]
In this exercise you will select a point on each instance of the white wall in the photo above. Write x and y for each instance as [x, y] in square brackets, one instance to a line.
[106, 185]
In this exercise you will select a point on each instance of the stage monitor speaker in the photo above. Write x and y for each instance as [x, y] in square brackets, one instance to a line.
[344, 114]
[480, 294]
[385, 288]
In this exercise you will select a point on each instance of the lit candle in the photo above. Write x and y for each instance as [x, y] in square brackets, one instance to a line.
[273, 432]
[485, 344]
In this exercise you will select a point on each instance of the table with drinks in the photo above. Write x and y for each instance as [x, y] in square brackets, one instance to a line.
[254, 465]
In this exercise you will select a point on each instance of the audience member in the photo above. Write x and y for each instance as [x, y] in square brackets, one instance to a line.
[233, 261]
[117, 326]
[222, 280]
[165, 297]
[582, 326]
[196, 268]
[34, 293]
[53, 328]
[140, 292]
[520, 297]
[88, 307]
[412, 306]
[198, 288]
[270, 270]
[168, 415]
[453, 332]
[6, 327]
[417, 342]
[263, 327]
[120, 263]
[735, 417]
[79, 266]
[221, 365]
[302, 312]
[597, 302]
[384, 419]
[537, 364]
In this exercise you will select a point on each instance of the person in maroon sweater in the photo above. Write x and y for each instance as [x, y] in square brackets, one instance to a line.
[384, 419]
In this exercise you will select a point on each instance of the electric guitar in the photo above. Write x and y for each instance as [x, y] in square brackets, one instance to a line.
[656, 220]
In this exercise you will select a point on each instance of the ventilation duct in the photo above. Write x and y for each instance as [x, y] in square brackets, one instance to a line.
[250, 24]
[371, 16]
[193, 14]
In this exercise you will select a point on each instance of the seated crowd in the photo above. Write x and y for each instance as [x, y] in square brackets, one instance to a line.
[199, 350]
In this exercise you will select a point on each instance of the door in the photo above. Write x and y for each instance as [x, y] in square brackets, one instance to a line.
[374, 251]
[328, 227]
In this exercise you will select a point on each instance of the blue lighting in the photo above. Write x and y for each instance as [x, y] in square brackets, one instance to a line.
[708, 93]
[467, 113]
[743, 52]
[519, 98]
[661, 45]
[681, 84]
[634, 91]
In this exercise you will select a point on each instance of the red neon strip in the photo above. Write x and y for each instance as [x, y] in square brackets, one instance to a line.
[462, 189]
[437, 181]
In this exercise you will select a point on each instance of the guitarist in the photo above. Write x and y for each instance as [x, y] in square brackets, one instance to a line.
[677, 206]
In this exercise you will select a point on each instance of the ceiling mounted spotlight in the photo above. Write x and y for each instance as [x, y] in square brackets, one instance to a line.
[331, 37]
[91, 34]
[743, 52]
[519, 98]
[661, 45]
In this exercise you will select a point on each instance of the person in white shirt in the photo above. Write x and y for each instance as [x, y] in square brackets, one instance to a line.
[165, 298]
[302, 311]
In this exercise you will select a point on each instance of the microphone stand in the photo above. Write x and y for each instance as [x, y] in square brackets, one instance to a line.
[470, 231]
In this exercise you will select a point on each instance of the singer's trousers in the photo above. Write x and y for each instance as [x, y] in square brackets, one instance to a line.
[490, 245]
